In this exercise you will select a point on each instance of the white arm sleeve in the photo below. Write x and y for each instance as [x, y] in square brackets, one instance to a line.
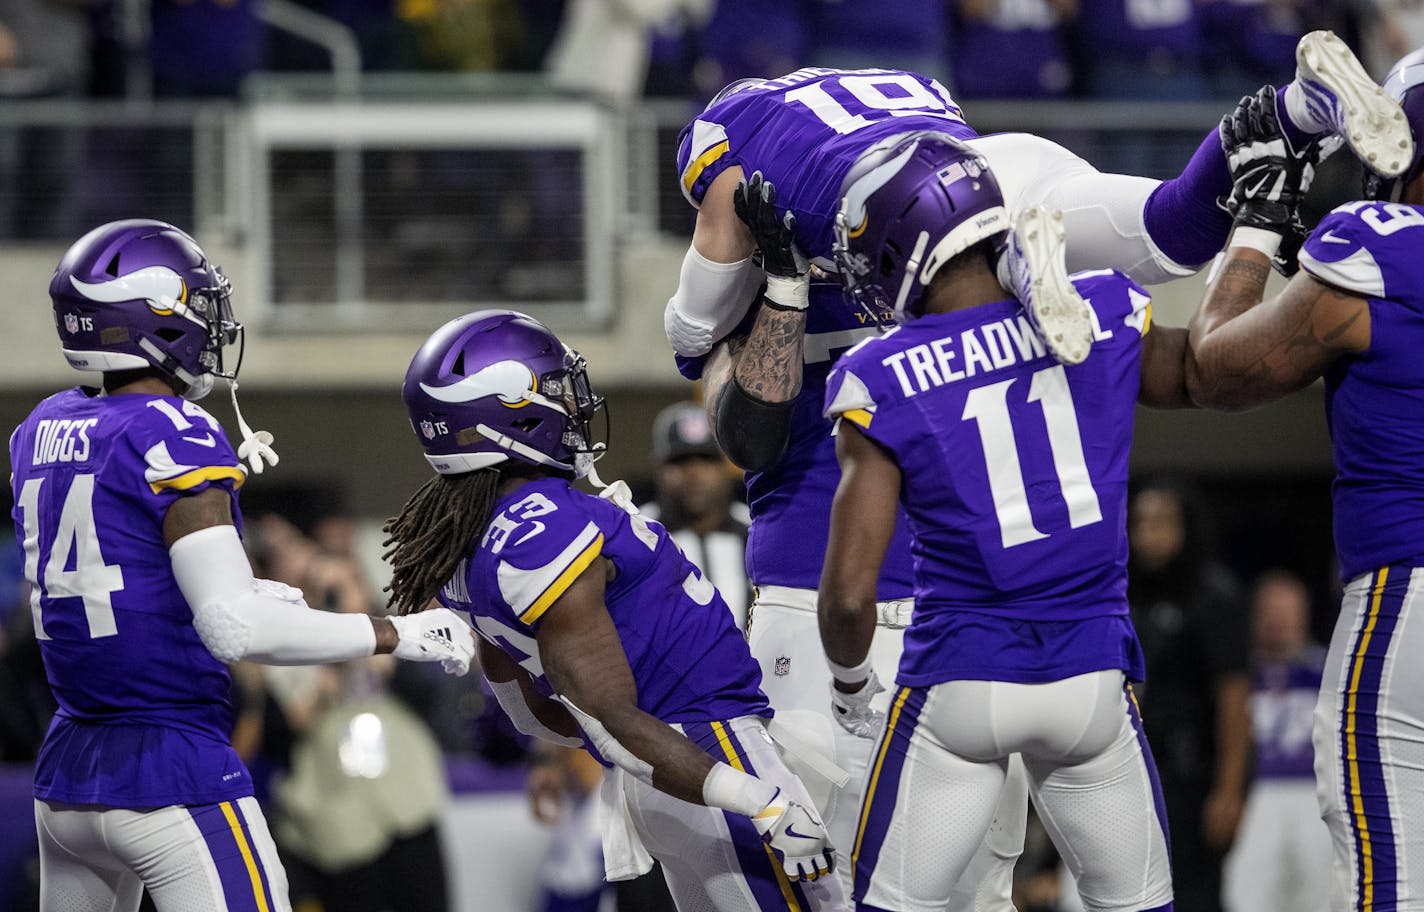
[710, 301]
[241, 617]
[511, 700]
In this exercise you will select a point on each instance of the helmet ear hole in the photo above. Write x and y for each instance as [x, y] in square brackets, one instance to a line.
[169, 334]
[458, 367]
[526, 425]
[113, 267]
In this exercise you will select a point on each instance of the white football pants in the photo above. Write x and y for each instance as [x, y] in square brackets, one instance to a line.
[204, 858]
[1102, 213]
[1280, 861]
[938, 776]
[1369, 742]
[786, 643]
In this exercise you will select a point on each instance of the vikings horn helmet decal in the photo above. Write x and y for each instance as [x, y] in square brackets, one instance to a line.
[497, 385]
[910, 204]
[141, 293]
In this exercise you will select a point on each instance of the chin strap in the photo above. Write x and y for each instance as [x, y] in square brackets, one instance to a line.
[618, 491]
[256, 446]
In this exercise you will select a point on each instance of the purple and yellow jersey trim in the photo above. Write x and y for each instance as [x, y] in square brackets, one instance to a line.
[193, 478]
[532, 591]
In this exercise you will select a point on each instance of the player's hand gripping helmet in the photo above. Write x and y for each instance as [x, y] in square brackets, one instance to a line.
[139, 293]
[1405, 83]
[497, 384]
[909, 204]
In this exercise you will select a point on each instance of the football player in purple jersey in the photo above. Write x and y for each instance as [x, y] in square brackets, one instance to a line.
[595, 630]
[1354, 315]
[126, 511]
[1011, 469]
[764, 359]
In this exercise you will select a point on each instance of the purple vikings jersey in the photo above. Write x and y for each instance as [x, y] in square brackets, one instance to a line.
[689, 661]
[144, 718]
[1283, 699]
[804, 131]
[1014, 479]
[1374, 402]
[790, 503]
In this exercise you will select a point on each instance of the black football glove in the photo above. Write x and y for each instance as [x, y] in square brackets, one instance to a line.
[1268, 182]
[774, 233]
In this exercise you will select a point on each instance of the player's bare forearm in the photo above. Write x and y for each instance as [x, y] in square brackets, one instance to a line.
[1245, 352]
[586, 665]
[769, 365]
[862, 524]
[1233, 732]
[1164, 369]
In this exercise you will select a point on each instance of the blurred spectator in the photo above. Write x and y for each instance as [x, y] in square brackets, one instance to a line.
[1142, 50]
[26, 703]
[1282, 859]
[44, 53]
[745, 38]
[360, 808]
[1195, 700]
[695, 501]
[1012, 48]
[1253, 41]
[603, 47]
[867, 34]
[563, 795]
[204, 48]
[1392, 29]
[465, 35]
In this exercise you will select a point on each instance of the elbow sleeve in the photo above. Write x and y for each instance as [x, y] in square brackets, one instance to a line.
[511, 700]
[710, 301]
[240, 617]
[753, 433]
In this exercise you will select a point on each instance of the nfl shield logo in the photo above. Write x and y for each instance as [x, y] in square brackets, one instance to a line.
[428, 430]
[71, 323]
[783, 666]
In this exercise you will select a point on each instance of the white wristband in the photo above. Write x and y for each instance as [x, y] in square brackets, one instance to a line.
[733, 790]
[1260, 239]
[850, 675]
[788, 293]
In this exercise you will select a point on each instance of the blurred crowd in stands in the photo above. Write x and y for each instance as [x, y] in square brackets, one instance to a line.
[1114, 49]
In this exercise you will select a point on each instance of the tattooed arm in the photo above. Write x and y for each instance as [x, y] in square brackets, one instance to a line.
[1243, 352]
[751, 383]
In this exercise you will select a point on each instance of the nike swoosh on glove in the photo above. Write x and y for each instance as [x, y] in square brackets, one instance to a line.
[437, 635]
[796, 836]
[853, 712]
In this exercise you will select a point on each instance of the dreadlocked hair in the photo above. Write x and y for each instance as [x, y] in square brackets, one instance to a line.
[434, 532]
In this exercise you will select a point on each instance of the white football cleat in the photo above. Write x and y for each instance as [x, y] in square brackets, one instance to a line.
[1338, 90]
[1039, 275]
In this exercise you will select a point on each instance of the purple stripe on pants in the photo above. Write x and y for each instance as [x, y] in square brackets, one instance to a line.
[762, 874]
[222, 845]
[1371, 825]
[884, 785]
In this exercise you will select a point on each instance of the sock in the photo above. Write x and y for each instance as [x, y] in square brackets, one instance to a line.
[1182, 215]
[1297, 121]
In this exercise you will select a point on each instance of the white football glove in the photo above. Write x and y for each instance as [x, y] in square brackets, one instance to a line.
[797, 836]
[437, 635]
[853, 712]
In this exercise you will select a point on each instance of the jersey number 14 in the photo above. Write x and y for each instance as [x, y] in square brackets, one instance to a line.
[76, 540]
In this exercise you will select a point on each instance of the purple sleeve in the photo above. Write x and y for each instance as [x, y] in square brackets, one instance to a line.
[171, 461]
